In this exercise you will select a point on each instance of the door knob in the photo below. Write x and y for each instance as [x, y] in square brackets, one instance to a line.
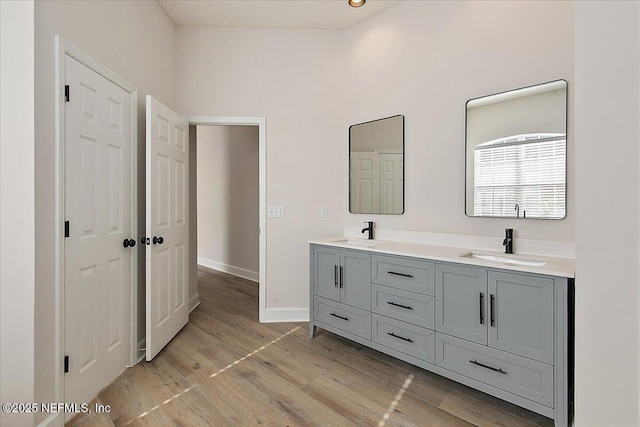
[128, 243]
[158, 240]
[144, 240]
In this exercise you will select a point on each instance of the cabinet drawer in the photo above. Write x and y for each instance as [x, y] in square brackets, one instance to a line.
[402, 273]
[341, 316]
[411, 307]
[523, 377]
[404, 337]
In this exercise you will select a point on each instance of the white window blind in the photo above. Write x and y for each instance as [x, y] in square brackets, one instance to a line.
[528, 170]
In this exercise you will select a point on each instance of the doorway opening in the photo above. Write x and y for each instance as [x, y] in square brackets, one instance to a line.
[228, 200]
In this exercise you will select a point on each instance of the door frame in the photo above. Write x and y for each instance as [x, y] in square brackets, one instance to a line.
[63, 48]
[261, 122]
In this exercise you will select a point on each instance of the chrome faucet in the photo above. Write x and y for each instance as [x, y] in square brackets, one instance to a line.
[369, 229]
[517, 208]
[508, 241]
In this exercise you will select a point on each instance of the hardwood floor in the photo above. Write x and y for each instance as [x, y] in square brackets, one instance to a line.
[227, 369]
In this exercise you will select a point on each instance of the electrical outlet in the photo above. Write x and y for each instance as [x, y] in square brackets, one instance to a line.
[276, 211]
[324, 212]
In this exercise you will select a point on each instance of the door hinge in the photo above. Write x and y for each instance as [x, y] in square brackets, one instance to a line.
[66, 93]
[66, 229]
[66, 364]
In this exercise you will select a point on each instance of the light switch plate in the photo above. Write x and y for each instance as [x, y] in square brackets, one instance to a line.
[276, 212]
[324, 212]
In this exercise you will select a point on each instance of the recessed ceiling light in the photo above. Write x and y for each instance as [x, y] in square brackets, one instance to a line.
[356, 3]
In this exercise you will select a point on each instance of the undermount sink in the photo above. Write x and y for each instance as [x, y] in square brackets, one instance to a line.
[506, 260]
[360, 242]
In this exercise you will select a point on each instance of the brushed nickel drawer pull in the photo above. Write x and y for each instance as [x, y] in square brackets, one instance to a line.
[399, 337]
[339, 317]
[399, 305]
[399, 274]
[475, 362]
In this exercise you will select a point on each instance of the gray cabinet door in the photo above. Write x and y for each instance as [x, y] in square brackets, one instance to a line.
[355, 288]
[461, 302]
[523, 315]
[326, 272]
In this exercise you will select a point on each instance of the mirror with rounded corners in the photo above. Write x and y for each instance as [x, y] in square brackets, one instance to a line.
[516, 153]
[376, 166]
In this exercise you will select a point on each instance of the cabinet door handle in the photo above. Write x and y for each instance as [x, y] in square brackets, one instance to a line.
[399, 337]
[339, 317]
[341, 277]
[493, 310]
[335, 275]
[481, 308]
[399, 274]
[475, 362]
[399, 305]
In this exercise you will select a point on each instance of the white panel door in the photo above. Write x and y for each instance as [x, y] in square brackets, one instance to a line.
[364, 182]
[97, 268]
[391, 174]
[167, 225]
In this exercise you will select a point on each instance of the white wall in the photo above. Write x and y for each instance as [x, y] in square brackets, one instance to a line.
[379, 134]
[294, 79]
[133, 38]
[228, 204]
[425, 60]
[17, 240]
[607, 85]
[420, 59]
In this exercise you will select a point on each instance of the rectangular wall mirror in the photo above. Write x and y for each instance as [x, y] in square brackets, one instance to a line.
[516, 153]
[376, 166]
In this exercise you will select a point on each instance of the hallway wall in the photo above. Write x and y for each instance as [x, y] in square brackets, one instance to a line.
[228, 205]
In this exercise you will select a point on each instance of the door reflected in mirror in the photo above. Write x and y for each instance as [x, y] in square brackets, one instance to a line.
[376, 166]
[516, 153]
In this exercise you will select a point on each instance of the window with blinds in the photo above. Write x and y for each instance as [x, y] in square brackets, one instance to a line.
[527, 170]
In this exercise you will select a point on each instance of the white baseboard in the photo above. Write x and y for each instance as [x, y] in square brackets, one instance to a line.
[194, 302]
[142, 344]
[273, 315]
[230, 269]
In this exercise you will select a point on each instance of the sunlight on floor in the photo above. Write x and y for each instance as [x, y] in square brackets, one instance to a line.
[393, 405]
[222, 370]
[254, 352]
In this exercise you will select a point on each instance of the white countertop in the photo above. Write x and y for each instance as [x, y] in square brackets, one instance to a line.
[553, 266]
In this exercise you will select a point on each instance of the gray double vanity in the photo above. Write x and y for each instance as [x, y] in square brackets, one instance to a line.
[499, 323]
[500, 327]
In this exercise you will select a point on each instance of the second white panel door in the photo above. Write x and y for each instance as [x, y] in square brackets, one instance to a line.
[167, 234]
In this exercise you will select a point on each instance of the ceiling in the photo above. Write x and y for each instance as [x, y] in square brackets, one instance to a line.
[292, 14]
